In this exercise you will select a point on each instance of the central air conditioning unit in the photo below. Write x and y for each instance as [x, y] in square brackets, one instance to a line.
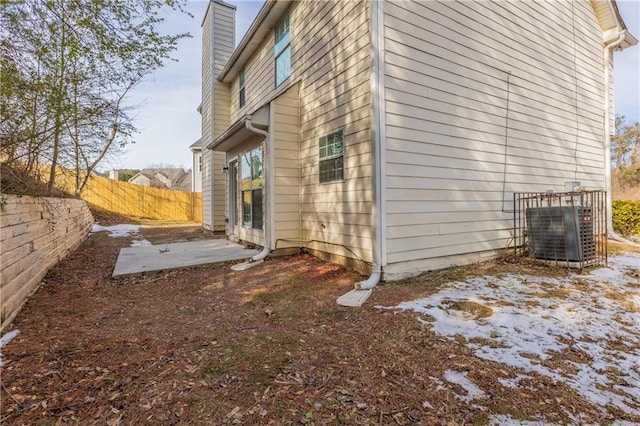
[561, 233]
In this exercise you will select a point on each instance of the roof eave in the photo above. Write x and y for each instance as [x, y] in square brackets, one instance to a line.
[231, 130]
[629, 40]
[611, 23]
[239, 132]
[246, 48]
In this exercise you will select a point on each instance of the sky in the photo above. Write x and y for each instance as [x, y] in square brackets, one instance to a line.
[168, 121]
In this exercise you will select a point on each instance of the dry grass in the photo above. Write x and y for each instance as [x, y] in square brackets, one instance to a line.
[205, 345]
[469, 309]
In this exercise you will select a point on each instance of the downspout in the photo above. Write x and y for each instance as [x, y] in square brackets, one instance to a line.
[377, 131]
[608, 50]
[266, 196]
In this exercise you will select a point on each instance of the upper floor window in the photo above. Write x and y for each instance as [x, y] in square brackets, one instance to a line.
[282, 42]
[331, 158]
[241, 92]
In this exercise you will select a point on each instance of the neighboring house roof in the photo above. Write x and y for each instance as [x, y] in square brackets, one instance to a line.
[172, 175]
[141, 179]
[196, 146]
[159, 178]
[185, 182]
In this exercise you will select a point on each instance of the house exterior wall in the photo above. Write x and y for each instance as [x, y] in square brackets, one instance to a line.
[331, 62]
[286, 168]
[483, 99]
[206, 113]
[196, 174]
[217, 45]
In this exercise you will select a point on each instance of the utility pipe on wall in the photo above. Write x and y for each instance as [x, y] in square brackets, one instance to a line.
[377, 132]
[608, 51]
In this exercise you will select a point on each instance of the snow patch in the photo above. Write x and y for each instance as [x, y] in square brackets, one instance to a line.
[6, 338]
[121, 230]
[534, 318]
[513, 383]
[124, 230]
[140, 243]
[473, 391]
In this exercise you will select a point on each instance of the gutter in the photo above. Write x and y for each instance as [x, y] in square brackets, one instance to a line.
[378, 139]
[363, 289]
[608, 53]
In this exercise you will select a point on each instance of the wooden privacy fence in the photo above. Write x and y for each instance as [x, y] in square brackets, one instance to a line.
[137, 200]
[128, 198]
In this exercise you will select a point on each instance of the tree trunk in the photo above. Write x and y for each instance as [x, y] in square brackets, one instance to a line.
[58, 111]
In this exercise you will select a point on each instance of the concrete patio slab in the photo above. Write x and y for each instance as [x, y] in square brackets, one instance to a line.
[134, 260]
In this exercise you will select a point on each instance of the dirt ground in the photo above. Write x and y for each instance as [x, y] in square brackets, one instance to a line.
[206, 345]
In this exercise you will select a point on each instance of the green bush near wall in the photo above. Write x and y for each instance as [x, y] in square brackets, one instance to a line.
[626, 217]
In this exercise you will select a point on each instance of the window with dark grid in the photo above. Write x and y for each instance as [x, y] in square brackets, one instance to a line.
[331, 157]
[241, 90]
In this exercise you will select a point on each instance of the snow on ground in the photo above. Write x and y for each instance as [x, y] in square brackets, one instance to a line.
[534, 318]
[503, 420]
[473, 391]
[123, 230]
[140, 243]
[6, 338]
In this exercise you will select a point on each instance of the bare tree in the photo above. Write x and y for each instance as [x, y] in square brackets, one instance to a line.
[68, 67]
[625, 153]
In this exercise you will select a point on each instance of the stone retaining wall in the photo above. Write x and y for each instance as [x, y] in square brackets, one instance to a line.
[35, 234]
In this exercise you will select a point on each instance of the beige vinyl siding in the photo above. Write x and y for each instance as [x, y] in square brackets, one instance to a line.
[223, 37]
[286, 168]
[207, 189]
[449, 69]
[206, 113]
[335, 94]
[330, 60]
[259, 82]
[218, 28]
[219, 185]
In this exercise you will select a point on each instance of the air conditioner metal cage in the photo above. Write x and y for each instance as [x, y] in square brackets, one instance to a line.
[563, 228]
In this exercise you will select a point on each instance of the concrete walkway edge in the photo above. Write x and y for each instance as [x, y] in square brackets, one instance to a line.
[134, 260]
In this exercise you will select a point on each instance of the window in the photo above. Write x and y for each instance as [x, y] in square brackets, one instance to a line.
[241, 97]
[200, 162]
[331, 159]
[282, 52]
[251, 187]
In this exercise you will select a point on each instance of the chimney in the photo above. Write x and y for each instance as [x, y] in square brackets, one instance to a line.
[218, 43]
